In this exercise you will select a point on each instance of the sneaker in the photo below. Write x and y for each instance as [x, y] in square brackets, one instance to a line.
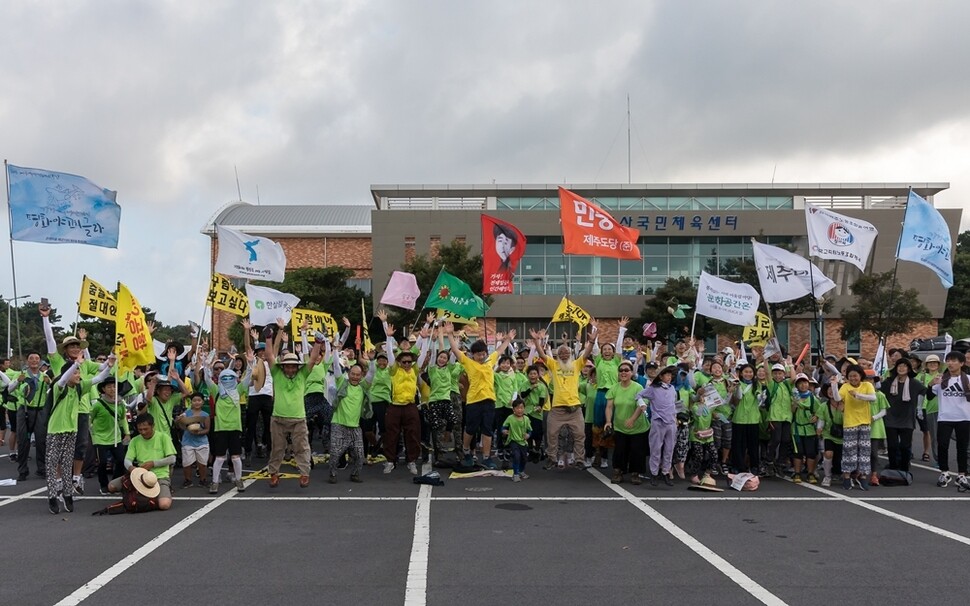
[516, 478]
[715, 471]
[827, 481]
[53, 506]
[69, 503]
[561, 464]
[489, 463]
[847, 483]
[185, 484]
[944, 480]
[570, 459]
[332, 479]
[214, 487]
[963, 483]
[635, 479]
[413, 468]
[548, 464]
[104, 491]
[863, 484]
[13, 457]
[22, 477]
[356, 479]
[725, 469]
[813, 480]
[79, 486]
[617, 477]
[468, 461]
[604, 464]
[524, 475]
[595, 461]
[653, 480]
[388, 467]
[797, 478]
[240, 486]
[667, 480]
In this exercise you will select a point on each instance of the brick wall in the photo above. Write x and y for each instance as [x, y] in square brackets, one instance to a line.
[354, 253]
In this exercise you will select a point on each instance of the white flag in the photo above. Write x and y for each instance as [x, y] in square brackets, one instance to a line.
[252, 257]
[266, 304]
[726, 301]
[879, 363]
[785, 276]
[835, 236]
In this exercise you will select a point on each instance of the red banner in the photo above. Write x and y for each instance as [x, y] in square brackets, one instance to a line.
[502, 247]
[587, 229]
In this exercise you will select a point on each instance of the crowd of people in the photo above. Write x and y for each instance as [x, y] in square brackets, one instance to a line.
[636, 408]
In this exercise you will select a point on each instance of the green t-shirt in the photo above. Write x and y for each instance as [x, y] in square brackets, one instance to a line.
[700, 421]
[536, 399]
[505, 388]
[802, 424]
[162, 411]
[831, 416]
[747, 411]
[442, 380]
[701, 379]
[35, 399]
[10, 398]
[158, 447]
[380, 387]
[624, 406]
[317, 377]
[518, 428]
[228, 415]
[929, 405]
[350, 402]
[779, 395]
[288, 393]
[607, 371]
[877, 430]
[67, 402]
[108, 422]
[587, 397]
[89, 368]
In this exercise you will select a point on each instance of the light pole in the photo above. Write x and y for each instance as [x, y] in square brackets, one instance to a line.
[9, 314]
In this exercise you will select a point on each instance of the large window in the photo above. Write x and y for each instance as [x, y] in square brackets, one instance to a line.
[544, 270]
[670, 203]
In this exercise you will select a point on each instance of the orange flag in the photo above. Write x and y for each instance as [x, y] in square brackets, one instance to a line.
[587, 229]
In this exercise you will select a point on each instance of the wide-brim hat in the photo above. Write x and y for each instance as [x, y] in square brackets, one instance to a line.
[124, 387]
[932, 358]
[179, 348]
[145, 482]
[290, 358]
[909, 367]
[71, 340]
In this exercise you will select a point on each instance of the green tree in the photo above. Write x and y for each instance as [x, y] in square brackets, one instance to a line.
[958, 298]
[882, 309]
[676, 291]
[457, 259]
[31, 329]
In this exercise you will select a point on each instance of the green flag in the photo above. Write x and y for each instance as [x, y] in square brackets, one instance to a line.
[454, 295]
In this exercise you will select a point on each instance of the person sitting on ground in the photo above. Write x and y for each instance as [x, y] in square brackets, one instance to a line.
[153, 451]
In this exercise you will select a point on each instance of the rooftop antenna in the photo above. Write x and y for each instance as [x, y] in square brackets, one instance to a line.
[257, 194]
[238, 189]
[629, 170]
[773, 173]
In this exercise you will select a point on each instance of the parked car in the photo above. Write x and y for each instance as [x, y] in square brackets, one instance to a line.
[936, 345]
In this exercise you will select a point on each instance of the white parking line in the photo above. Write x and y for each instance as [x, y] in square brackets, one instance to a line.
[723, 566]
[26, 495]
[88, 589]
[416, 591]
[891, 514]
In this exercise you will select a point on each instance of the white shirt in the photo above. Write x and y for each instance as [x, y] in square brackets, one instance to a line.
[953, 401]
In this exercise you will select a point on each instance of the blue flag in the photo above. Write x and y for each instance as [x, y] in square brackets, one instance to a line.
[926, 239]
[58, 208]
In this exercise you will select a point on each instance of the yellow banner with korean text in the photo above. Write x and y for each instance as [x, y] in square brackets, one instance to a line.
[226, 297]
[317, 320]
[96, 301]
[570, 312]
[758, 333]
[133, 339]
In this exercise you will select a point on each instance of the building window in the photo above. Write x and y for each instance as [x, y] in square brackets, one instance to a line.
[362, 283]
[669, 203]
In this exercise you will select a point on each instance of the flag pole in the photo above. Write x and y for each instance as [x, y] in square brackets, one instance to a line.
[899, 243]
[816, 325]
[13, 265]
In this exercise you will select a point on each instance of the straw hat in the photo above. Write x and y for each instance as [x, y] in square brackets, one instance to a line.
[290, 358]
[71, 340]
[145, 482]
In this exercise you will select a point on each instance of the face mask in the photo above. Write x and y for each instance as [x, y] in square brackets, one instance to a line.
[804, 394]
[227, 382]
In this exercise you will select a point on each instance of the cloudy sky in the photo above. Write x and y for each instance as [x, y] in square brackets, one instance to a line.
[315, 101]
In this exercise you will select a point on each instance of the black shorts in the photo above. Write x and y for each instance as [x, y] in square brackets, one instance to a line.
[807, 446]
[226, 441]
[922, 423]
[12, 420]
[479, 417]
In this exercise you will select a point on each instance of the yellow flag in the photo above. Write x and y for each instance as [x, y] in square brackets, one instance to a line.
[96, 301]
[223, 295]
[133, 340]
[758, 333]
[450, 316]
[570, 312]
[363, 319]
[318, 320]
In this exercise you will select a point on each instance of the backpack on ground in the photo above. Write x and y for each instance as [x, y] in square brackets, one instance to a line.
[895, 477]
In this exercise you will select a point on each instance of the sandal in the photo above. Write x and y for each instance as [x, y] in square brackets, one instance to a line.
[187, 484]
[926, 456]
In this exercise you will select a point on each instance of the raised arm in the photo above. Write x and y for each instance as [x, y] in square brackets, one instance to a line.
[589, 344]
[48, 330]
[509, 337]
[618, 346]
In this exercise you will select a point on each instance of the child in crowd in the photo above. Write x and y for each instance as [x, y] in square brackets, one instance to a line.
[516, 431]
[195, 440]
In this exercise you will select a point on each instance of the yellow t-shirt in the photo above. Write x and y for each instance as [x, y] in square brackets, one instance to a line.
[404, 385]
[481, 378]
[565, 379]
[857, 412]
